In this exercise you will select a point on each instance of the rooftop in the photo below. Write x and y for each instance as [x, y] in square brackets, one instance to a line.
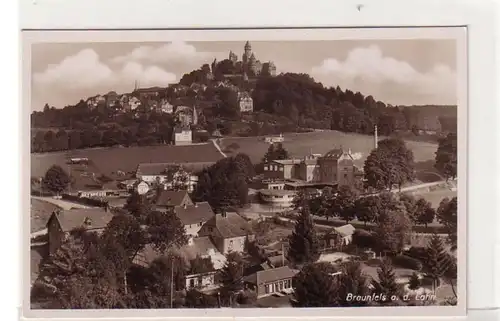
[232, 225]
[271, 275]
[194, 214]
[345, 230]
[90, 219]
[287, 161]
[171, 198]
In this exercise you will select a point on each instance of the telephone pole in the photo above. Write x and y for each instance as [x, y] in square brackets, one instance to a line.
[172, 284]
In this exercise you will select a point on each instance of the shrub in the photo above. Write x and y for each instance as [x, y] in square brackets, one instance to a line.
[363, 238]
[416, 252]
[414, 282]
[247, 297]
[407, 262]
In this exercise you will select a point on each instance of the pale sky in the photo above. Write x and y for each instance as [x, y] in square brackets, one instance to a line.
[397, 72]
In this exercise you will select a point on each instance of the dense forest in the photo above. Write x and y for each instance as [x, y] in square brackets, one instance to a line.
[285, 103]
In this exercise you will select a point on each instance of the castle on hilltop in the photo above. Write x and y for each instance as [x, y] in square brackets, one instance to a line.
[249, 65]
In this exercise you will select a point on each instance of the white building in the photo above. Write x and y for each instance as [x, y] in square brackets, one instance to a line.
[245, 102]
[183, 136]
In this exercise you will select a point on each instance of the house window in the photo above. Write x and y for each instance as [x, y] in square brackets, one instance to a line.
[200, 224]
[267, 289]
[345, 175]
[265, 168]
[282, 169]
[191, 283]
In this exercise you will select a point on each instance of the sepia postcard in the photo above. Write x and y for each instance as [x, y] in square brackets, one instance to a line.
[218, 173]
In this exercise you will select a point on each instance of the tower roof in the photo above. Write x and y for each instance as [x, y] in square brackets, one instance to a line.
[248, 45]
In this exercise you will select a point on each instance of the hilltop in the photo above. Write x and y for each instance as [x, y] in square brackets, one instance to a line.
[237, 98]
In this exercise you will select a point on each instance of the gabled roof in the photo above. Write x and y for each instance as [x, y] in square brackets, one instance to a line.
[193, 214]
[271, 275]
[171, 198]
[338, 153]
[287, 161]
[70, 219]
[232, 225]
[345, 230]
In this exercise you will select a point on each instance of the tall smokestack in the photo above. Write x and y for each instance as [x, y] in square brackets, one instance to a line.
[375, 137]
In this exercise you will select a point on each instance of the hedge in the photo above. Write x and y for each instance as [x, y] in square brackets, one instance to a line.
[407, 262]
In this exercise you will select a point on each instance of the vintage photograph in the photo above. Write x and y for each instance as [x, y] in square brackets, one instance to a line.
[256, 173]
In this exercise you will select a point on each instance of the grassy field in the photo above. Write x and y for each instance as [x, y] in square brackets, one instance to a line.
[40, 214]
[301, 144]
[436, 196]
[108, 160]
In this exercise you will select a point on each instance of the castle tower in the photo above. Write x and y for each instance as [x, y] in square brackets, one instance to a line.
[248, 52]
[375, 138]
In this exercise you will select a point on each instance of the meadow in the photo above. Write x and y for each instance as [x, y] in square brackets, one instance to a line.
[302, 144]
[109, 160]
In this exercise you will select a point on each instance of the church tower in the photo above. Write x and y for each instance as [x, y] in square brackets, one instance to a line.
[375, 138]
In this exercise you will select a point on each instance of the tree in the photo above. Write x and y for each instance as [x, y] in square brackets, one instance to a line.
[165, 275]
[276, 151]
[199, 300]
[223, 184]
[314, 286]
[232, 275]
[304, 245]
[247, 167]
[437, 260]
[165, 230]
[424, 213]
[393, 230]
[389, 164]
[139, 206]
[447, 215]
[386, 284]
[127, 231]
[343, 203]
[414, 282]
[409, 203]
[304, 197]
[368, 208]
[446, 156]
[352, 283]
[56, 179]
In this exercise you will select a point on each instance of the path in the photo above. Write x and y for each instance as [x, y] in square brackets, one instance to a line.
[214, 141]
[415, 187]
[65, 205]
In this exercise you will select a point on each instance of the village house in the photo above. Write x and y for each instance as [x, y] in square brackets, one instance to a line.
[340, 236]
[182, 136]
[149, 93]
[201, 274]
[271, 281]
[166, 107]
[61, 223]
[171, 175]
[279, 198]
[194, 216]
[96, 101]
[245, 102]
[171, 199]
[274, 139]
[228, 231]
[195, 248]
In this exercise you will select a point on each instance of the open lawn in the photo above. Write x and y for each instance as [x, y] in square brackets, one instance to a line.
[302, 144]
[436, 196]
[40, 214]
[109, 160]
